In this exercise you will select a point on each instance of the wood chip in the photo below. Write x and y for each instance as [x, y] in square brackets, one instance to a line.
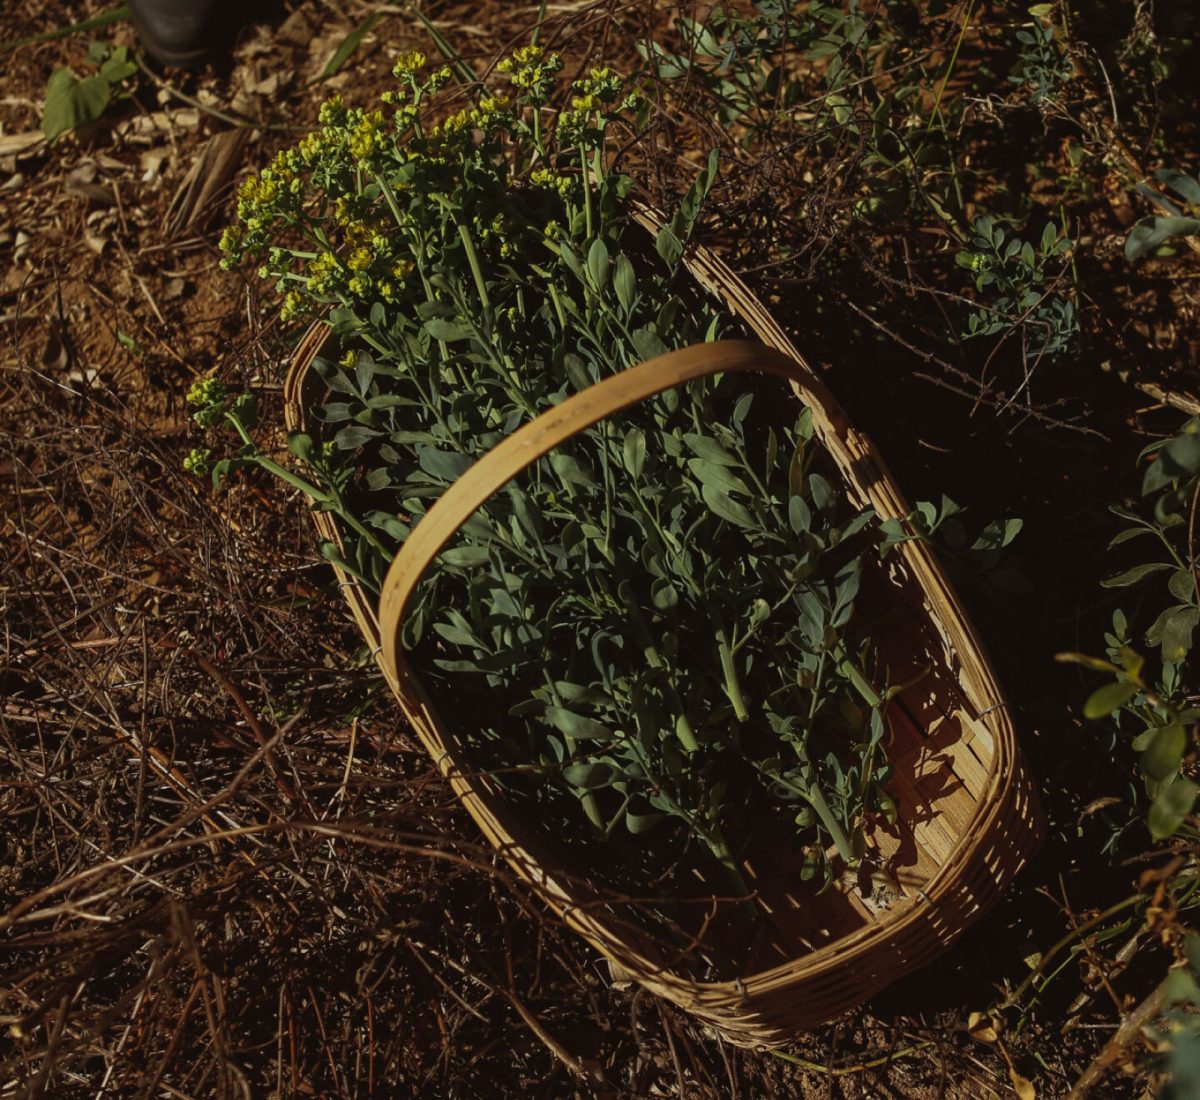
[14, 145]
[151, 125]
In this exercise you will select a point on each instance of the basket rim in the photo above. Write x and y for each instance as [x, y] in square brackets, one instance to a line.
[853, 453]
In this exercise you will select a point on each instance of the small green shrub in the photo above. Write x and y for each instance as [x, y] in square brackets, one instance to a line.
[1041, 66]
[1018, 284]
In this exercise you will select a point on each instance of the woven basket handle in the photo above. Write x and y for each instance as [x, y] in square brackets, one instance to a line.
[540, 436]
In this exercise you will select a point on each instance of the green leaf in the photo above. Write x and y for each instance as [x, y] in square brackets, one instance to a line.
[1183, 452]
[598, 264]
[1127, 534]
[625, 282]
[663, 594]
[569, 470]
[634, 452]
[1182, 585]
[349, 439]
[589, 777]
[117, 68]
[1162, 757]
[576, 725]
[347, 46]
[72, 103]
[449, 331]
[641, 823]
[1103, 701]
[444, 465]
[998, 534]
[727, 509]
[1179, 988]
[466, 557]
[704, 446]
[1177, 633]
[1150, 232]
[822, 492]
[300, 444]
[1132, 576]
[1184, 186]
[1173, 803]
[648, 343]
[457, 635]
[668, 246]
[720, 477]
[799, 514]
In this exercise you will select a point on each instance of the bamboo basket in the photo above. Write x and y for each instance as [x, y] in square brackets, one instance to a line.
[969, 817]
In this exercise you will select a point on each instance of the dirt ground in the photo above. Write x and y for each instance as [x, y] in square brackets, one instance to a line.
[226, 867]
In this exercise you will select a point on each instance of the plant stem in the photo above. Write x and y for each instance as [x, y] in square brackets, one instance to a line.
[733, 686]
[330, 499]
[816, 799]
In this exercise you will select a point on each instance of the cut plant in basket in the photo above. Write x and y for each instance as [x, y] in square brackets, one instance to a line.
[624, 600]
[645, 632]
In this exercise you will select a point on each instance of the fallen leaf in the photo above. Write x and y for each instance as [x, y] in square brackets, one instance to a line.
[14, 145]
[982, 1028]
[82, 182]
[151, 162]
[1022, 1086]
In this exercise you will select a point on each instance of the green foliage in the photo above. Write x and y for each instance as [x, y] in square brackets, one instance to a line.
[981, 558]
[1021, 281]
[1177, 1034]
[803, 73]
[1151, 232]
[1042, 66]
[1160, 710]
[664, 605]
[72, 102]
[740, 58]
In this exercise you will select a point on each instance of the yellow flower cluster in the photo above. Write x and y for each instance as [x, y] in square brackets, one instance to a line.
[355, 155]
[332, 112]
[294, 305]
[523, 56]
[323, 273]
[366, 138]
[550, 180]
[206, 391]
[208, 397]
[198, 461]
[597, 97]
[532, 69]
[360, 259]
[409, 64]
